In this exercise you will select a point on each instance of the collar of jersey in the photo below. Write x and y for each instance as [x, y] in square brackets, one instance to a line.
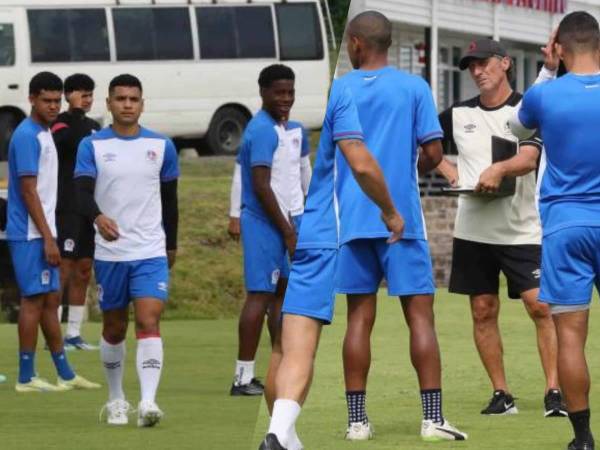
[508, 101]
[373, 72]
[125, 138]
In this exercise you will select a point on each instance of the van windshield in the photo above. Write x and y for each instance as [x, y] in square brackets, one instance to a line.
[7, 45]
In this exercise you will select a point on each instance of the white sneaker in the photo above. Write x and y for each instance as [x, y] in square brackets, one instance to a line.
[149, 414]
[40, 385]
[116, 412]
[433, 432]
[358, 431]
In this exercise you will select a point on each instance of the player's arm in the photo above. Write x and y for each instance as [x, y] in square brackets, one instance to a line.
[31, 199]
[551, 60]
[430, 156]
[235, 203]
[305, 165]
[370, 178]
[521, 164]
[170, 217]
[261, 182]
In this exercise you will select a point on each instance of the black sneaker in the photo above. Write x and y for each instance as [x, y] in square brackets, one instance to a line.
[255, 387]
[272, 443]
[501, 404]
[574, 445]
[554, 405]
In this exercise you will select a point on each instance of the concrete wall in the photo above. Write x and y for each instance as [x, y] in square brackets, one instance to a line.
[439, 218]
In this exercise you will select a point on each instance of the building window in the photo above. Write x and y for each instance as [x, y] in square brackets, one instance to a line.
[299, 31]
[146, 34]
[235, 32]
[68, 35]
[449, 86]
[7, 45]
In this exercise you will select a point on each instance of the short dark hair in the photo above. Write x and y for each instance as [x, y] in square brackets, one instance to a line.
[79, 82]
[578, 32]
[275, 72]
[374, 28]
[125, 80]
[45, 81]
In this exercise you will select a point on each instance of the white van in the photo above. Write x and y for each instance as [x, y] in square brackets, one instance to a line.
[198, 60]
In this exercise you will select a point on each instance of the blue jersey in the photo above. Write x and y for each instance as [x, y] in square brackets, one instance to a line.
[31, 152]
[128, 171]
[567, 111]
[319, 227]
[280, 147]
[397, 114]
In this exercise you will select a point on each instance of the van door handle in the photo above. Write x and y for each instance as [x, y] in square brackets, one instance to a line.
[13, 86]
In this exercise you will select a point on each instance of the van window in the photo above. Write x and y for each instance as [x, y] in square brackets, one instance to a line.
[235, 32]
[144, 34]
[299, 31]
[65, 35]
[7, 45]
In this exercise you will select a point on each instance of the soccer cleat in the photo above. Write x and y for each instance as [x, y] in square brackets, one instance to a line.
[78, 382]
[553, 404]
[77, 343]
[149, 414]
[271, 442]
[40, 385]
[358, 431]
[255, 387]
[116, 412]
[587, 445]
[501, 404]
[434, 432]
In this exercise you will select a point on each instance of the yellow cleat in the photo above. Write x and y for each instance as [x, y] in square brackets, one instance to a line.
[78, 383]
[40, 385]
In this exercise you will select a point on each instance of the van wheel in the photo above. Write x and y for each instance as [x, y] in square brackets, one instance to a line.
[224, 135]
[8, 123]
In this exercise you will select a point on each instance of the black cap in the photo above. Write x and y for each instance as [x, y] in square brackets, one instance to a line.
[481, 49]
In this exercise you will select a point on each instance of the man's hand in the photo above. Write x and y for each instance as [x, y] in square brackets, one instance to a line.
[551, 59]
[107, 228]
[449, 171]
[291, 238]
[233, 229]
[490, 179]
[51, 252]
[395, 224]
[171, 257]
[75, 99]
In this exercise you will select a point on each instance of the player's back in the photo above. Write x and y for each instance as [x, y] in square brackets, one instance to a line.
[567, 111]
[397, 113]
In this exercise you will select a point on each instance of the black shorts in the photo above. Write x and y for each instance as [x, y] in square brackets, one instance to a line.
[75, 236]
[476, 268]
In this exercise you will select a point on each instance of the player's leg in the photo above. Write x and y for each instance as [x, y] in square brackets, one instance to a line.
[66, 270]
[30, 313]
[274, 325]
[148, 286]
[358, 275]
[308, 304]
[80, 278]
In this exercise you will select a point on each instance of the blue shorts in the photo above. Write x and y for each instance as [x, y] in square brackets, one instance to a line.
[265, 255]
[120, 281]
[34, 275]
[311, 289]
[406, 266]
[570, 266]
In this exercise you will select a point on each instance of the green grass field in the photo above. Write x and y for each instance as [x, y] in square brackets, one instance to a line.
[200, 415]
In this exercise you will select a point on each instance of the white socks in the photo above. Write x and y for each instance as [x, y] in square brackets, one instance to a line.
[283, 421]
[244, 372]
[149, 361]
[75, 319]
[113, 360]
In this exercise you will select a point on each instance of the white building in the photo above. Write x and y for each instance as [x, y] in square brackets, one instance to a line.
[448, 26]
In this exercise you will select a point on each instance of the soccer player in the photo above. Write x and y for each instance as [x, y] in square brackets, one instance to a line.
[570, 203]
[501, 233]
[398, 115]
[31, 235]
[75, 232]
[273, 180]
[309, 298]
[126, 176]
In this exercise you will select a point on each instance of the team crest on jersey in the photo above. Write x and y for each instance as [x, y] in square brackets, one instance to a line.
[45, 277]
[100, 293]
[275, 276]
[296, 142]
[69, 245]
[151, 156]
[109, 157]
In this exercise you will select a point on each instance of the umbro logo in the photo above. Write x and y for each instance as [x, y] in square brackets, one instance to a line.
[109, 157]
[151, 364]
[470, 128]
[371, 78]
[536, 273]
[162, 286]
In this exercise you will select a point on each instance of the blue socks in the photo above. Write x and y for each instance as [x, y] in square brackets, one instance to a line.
[62, 366]
[26, 366]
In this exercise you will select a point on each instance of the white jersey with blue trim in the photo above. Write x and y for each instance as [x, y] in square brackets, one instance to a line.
[128, 172]
[31, 152]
